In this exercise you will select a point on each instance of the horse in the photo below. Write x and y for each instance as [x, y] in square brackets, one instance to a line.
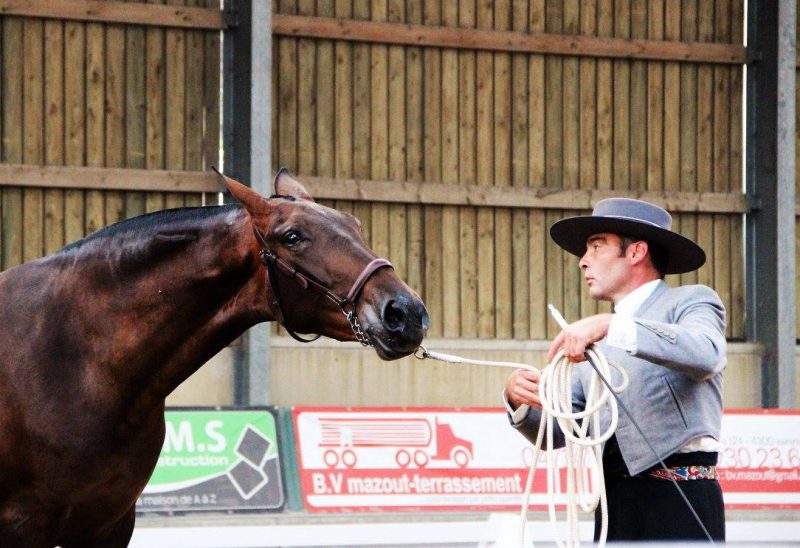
[95, 336]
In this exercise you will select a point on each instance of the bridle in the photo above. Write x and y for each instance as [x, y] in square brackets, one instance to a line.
[347, 304]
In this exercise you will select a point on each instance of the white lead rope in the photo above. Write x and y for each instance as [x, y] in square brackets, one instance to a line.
[555, 393]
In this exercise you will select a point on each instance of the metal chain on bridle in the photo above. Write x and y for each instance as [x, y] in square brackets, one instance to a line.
[346, 304]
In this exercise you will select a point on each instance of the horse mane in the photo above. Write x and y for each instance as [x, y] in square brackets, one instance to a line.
[147, 238]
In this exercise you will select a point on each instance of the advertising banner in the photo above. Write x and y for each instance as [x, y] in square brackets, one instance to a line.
[395, 459]
[216, 460]
[759, 462]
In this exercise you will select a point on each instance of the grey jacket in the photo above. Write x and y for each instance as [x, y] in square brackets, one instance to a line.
[675, 390]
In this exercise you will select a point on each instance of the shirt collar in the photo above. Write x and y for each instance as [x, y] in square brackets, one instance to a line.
[631, 302]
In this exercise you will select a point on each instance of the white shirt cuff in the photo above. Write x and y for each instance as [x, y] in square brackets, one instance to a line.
[518, 414]
[622, 333]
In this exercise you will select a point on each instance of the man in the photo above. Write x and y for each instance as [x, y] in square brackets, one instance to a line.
[671, 342]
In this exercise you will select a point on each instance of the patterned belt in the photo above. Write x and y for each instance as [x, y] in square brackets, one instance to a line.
[683, 473]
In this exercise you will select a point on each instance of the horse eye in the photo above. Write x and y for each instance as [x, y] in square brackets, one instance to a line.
[291, 238]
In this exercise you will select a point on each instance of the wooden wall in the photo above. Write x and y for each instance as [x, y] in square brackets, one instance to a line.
[80, 93]
[507, 125]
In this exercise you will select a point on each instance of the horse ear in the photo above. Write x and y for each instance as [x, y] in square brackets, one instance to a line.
[286, 185]
[249, 198]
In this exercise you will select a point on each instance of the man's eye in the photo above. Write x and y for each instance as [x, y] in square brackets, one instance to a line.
[291, 238]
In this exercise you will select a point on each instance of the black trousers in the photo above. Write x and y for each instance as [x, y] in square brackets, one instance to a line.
[644, 509]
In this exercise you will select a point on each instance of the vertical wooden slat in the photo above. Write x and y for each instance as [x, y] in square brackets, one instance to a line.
[95, 120]
[450, 116]
[538, 167]
[622, 103]
[12, 138]
[343, 121]
[638, 117]
[379, 130]
[606, 156]
[655, 102]
[688, 127]
[721, 147]
[554, 152]
[306, 97]
[195, 92]
[398, 244]
[415, 156]
[155, 110]
[135, 111]
[33, 135]
[571, 115]
[361, 118]
[736, 319]
[74, 117]
[587, 130]
[433, 160]
[174, 104]
[115, 116]
[286, 131]
[211, 109]
[705, 157]
[501, 303]
[54, 132]
[672, 102]
[474, 129]
[325, 91]
[521, 160]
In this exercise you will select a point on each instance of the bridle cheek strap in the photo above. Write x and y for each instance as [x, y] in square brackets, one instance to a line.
[347, 304]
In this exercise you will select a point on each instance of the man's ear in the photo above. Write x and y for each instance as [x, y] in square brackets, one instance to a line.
[286, 185]
[249, 198]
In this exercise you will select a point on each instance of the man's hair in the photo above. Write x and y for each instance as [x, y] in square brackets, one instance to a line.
[658, 257]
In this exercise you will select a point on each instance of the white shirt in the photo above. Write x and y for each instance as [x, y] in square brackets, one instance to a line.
[622, 334]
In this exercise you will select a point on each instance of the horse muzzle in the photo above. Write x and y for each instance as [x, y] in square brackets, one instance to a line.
[402, 326]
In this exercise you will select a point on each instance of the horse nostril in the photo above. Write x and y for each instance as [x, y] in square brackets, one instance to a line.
[394, 316]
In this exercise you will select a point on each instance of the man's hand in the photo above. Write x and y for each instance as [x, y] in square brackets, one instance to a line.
[577, 336]
[522, 386]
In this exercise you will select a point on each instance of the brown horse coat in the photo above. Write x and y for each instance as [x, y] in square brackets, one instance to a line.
[94, 337]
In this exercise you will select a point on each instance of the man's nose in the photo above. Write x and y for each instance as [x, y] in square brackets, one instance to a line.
[583, 263]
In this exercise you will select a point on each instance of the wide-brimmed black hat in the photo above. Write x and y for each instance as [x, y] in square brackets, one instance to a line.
[632, 218]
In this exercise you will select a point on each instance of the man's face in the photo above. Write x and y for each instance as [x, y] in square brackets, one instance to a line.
[606, 272]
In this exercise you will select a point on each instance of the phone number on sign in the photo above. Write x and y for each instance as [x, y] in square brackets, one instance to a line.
[760, 457]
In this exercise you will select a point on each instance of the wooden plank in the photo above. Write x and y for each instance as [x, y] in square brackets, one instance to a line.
[54, 132]
[396, 88]
[154, 180]
[369, 191]
[343, 100]
[672, 103]
[501, 303]
[655, 103]
[606, 156]
[379, 130]
[325, 92]
[135, 112]
[553, 95]
[705, 156]
[736, 321]
[108, 11]
[474, 104]
[211, 98]
[481, 39]
[688, 128]
[155, 113]
[536, 102]
[74, 118]
[32, 135]
[415, 154]
[433, 286]
[94, 215]
[175, 95]
[196, 88]
[639, 118]
[571, 101]
[520, 168]
[306, 98]
[622, 103]
[554, 284]
[115, 117]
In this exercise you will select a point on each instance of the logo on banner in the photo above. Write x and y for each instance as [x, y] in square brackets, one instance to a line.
[216, 460]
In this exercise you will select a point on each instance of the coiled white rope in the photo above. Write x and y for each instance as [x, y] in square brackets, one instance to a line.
[582, 443]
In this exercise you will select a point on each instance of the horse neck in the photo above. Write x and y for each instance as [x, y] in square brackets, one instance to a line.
[181, 311]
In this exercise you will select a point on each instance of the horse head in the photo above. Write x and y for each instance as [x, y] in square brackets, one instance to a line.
[322, 276]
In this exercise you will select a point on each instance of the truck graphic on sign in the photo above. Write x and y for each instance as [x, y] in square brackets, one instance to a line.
[414, 440]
